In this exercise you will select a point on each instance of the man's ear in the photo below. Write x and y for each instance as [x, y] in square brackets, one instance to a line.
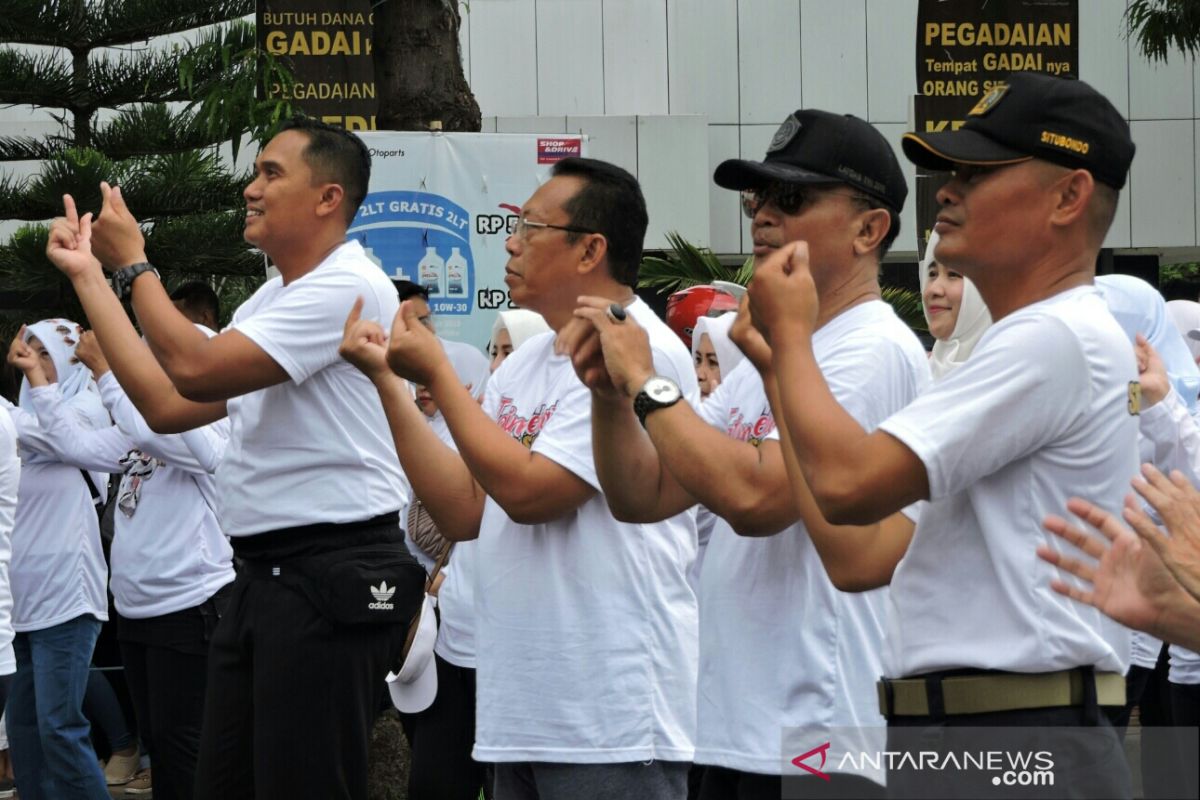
[873, 229]
[332, 196]
[595, 252]
[1072, 195]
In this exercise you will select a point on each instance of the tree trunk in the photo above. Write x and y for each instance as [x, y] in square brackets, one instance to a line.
[418, 68]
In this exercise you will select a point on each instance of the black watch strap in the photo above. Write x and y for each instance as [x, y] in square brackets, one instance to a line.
[658, 393]
[123, 279]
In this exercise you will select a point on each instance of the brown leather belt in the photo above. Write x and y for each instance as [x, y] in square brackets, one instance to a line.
[1001, 691]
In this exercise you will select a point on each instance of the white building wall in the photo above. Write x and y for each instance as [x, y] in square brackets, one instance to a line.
[731, 70]
[744, 65]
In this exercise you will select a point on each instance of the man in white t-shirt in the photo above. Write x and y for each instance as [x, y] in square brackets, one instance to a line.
[586, 626]
[780, 647]
[309, 486]
[1044, 409]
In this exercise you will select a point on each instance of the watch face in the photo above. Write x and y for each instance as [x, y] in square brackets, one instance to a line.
[661, 390]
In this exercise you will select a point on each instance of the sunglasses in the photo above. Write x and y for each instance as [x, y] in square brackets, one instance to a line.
[789, 198]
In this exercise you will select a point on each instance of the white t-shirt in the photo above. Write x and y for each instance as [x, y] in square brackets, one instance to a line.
[1037, 415]
[780, 647]
[57, 571]
[10, 477]
[316, 448]
[586, 633]
[456, 598]
[171, 554]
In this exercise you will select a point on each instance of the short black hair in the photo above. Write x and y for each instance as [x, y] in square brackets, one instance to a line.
[335, 155]
[406, 289]
[198, 296]
[609, 203]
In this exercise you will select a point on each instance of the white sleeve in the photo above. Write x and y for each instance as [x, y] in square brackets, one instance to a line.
[170, 448]
[72, 441]
[1174, 435]
[1028, 385]
[29, 433]
[566, 438]
[302, 326]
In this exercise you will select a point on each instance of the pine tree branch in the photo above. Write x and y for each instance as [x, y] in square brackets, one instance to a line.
[107, 23]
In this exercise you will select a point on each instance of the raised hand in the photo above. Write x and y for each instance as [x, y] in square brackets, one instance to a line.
[21, 355]
[624, 350]
[69, 246]
[782, 293]
[579, 341]
[1152, 373]
[413, 351]
[1127, 581]
[88, 351]
[1178, 505]
[364, 343]
[117, 238]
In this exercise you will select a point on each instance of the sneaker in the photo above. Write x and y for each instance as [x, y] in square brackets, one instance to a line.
[120, 769]
[7, 788]
[140, 786]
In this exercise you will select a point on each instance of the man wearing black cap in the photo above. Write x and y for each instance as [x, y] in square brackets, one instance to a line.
[1043, 410]
[780, 647]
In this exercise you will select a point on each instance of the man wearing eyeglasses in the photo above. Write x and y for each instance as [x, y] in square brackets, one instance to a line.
[586, 631]
[780, 647]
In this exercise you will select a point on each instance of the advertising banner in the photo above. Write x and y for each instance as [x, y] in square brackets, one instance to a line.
[965, 47]
[327, 46]
[439, 209]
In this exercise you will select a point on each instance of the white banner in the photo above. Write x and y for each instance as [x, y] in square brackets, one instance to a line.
[440, 208]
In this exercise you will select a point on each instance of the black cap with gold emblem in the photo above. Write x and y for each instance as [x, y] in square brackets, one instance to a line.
[814, 146]
[1034, 115]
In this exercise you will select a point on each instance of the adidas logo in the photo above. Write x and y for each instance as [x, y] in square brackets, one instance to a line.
[382, 594]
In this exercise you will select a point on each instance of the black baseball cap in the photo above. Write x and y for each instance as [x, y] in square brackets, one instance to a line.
[819, 147]
[1033, 115]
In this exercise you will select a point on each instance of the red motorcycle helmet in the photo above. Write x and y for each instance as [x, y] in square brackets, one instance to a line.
[688, 305]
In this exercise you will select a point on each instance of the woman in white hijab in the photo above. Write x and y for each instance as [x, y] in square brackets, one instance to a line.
[713, 352]
[511, 330]
[58, 574]
[955, 312]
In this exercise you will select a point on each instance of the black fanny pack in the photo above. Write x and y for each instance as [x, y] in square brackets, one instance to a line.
[369, 584]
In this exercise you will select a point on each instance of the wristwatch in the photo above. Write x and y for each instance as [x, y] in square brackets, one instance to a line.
[122, 279]
[658, 392]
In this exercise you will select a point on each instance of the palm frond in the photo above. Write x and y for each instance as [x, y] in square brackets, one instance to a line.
[907, 305]
[687, 265]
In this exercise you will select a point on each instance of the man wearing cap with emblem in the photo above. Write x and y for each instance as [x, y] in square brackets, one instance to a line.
[780, 647]
[1043, 410]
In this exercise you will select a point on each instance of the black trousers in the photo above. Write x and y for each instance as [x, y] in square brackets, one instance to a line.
[442, 737]
[292, 696]
[166, 666]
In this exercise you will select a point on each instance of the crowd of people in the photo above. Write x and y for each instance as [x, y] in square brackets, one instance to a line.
[649, 565]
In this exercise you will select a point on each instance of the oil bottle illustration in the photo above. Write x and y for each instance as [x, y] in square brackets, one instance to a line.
[456, 274]
[432, 270]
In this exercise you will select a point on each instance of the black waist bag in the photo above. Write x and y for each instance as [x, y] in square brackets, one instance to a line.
[369, 584]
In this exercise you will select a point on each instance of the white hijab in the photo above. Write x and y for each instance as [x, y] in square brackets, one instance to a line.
[717, 328]
[75, 384]
[973, 321]
[521, 325]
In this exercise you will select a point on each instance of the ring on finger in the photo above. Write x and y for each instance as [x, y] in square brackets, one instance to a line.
[616, 312]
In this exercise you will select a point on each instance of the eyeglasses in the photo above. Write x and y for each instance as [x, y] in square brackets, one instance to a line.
[789, 198]
[523, 226]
